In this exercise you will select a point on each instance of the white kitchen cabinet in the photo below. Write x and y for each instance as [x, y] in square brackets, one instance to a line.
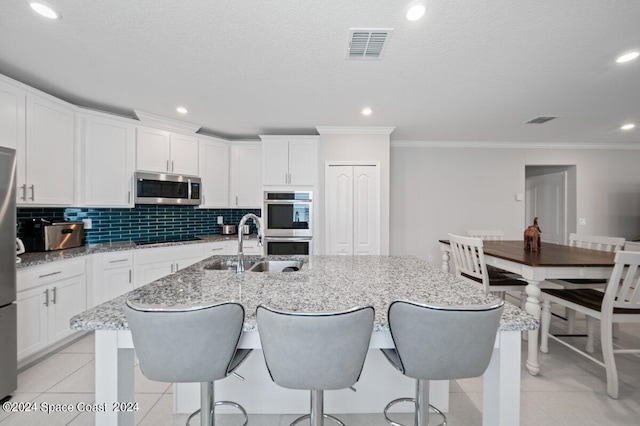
[289, 160]
[107, 173]
[154, 263]
[112, 275]
[48, 297]
[46, 157]
[12, 109]
[352, 209]
[214, 170]
[246, 175]
[218, 248]
[166, 152]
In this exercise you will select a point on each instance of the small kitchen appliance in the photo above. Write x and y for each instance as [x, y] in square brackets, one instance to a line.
[228, 229]
[19, 249]
[45, 235]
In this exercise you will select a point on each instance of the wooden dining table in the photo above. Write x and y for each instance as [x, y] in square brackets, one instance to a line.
[551, 261]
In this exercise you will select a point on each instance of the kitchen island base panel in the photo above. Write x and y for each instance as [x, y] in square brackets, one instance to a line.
[501, 382]
[378, 384]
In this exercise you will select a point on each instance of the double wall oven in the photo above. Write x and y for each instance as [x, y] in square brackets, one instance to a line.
[288, 222]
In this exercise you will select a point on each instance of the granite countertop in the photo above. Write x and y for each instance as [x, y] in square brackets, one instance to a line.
[39, 258]
[324, 284]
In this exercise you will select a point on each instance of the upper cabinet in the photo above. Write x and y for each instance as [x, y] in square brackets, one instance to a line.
[12, 122]
[166, 152]
[289, 160]
[46, 157]
[246, 175]
[214, 171]
[107, 172]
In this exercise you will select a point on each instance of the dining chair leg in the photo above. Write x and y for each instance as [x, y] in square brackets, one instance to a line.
[571, 320]
[591, 326]
[609, 361]
[545, 321]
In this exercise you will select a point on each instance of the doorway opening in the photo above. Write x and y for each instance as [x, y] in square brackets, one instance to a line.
[550, 195]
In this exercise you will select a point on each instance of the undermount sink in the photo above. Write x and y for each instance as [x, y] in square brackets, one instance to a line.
[227, 265]
[275, 266]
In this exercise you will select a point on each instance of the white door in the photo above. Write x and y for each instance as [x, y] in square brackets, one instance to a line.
[184, 155]
[275, 162]
[302, 162]
[68, 298]
[246, 175]
[214, 170]
[152, 150]
[339, 218]
[545, 199]
[32, 321]
[366, 210]
[353, 210]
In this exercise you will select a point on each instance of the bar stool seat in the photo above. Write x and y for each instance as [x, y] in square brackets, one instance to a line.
[315, 351]
[189, 344]
[439, 343]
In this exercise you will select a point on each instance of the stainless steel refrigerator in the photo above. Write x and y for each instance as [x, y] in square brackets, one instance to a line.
[8, 308]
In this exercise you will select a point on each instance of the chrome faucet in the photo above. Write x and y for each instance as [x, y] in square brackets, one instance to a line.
[256, 220]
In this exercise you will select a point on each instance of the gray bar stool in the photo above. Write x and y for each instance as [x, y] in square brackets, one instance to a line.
[315, 351]
[439, 343]
[189, 344]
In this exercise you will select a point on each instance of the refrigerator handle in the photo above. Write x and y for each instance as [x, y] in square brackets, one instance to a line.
[46, 297]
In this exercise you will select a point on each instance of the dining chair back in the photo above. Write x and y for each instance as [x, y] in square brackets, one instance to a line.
[486, 235]
[619, 303]
[596, 242]
[468, 256]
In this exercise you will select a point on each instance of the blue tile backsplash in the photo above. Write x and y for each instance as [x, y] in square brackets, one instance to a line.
[152, 222]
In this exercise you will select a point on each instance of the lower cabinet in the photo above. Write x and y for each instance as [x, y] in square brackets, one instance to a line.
[154, 263]
[48, 296]
[112, 275]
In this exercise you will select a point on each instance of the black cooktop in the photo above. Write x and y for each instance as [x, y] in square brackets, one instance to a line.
[164, 240]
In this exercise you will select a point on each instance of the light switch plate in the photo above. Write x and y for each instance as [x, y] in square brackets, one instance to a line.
[220, 220]
[582, 221]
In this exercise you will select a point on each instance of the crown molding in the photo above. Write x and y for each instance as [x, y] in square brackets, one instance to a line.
[514, 145]
[297, 137]
[351, 130]
[166, 123]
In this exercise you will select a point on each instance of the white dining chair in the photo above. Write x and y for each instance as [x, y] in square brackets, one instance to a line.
[619, 303]
[486, 234]
[592, 242]
[468, 256]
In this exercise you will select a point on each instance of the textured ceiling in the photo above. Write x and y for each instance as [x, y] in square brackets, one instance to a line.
[471, 70]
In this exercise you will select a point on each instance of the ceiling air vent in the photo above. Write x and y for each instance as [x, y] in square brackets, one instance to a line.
[367, 43]
[540, 120]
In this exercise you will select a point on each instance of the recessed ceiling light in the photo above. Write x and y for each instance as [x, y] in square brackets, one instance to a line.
[366, 111]
[44, 10]
[416, 12]
[630, 56]
[182, 110]
[627, 126]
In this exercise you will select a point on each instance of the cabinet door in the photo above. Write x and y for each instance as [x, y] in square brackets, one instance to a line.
[50, 152]
[108, 166]
[339, 210]
[152, 150]
[116, 282]
[246, 172]
[32, 321]
[302, 162]
[184, 155]
[214, 171]
[68, 298]
[275, 162]
[148, 272]
[12, 101]
[366, 210]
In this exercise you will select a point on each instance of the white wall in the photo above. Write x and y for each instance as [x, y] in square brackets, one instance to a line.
[435, 191]
[355, 147]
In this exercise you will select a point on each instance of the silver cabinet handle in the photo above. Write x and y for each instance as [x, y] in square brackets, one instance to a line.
[24, 192]
[236, 200]
[177, 266]
[48, 275]
[130, 276]
[46, 297]
[53, 299]
[33, 192]
[172, 165]
[172, 265]
[217, 248]
[118, 261]
[167, 165]
[129, 197]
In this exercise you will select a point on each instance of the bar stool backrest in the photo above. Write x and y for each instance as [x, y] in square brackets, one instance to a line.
[444, 342]
[323, 351]
[185, 344]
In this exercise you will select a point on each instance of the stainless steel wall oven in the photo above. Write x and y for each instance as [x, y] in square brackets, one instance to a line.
[288, 222]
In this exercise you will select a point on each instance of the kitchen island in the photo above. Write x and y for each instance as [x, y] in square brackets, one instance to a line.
[324, 283]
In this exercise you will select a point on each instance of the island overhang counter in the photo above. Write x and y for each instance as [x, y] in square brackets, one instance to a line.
[323, 284]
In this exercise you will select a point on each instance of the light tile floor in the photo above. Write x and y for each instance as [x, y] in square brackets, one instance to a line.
[569, 390]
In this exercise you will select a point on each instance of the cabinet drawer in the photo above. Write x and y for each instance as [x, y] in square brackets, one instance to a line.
[168, 254]
[117, 260]
[219, 248]
[36, 276]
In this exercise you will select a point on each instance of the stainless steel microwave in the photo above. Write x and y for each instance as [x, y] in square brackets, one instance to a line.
[161, 188]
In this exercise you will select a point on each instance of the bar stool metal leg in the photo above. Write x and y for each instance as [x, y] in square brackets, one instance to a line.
[421, 402]
[207, 406]
[317, 415]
